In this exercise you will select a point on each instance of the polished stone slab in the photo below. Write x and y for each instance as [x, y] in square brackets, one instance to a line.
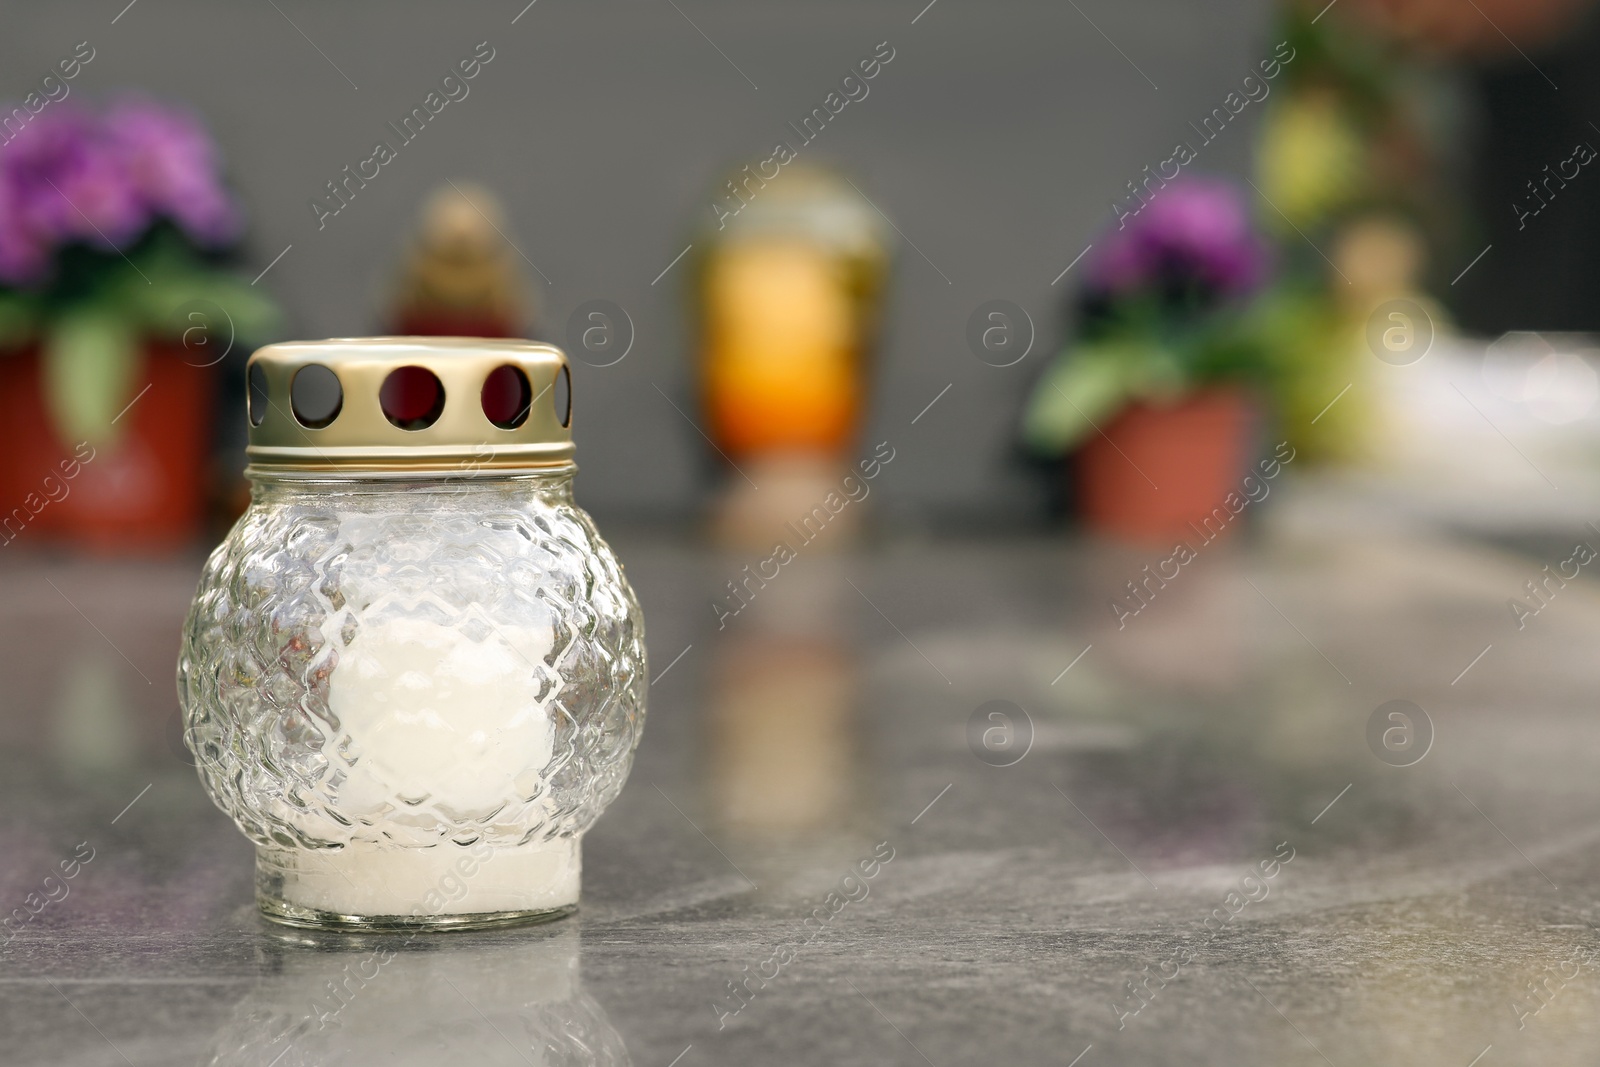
[1205, 759]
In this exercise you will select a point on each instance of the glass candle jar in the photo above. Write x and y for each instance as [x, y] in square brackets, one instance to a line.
[413, 673]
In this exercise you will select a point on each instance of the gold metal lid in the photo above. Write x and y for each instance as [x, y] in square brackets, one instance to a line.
[379, 404]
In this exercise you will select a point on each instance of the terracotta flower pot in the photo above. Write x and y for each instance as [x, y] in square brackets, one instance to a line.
[142, 491]
[1158, 469]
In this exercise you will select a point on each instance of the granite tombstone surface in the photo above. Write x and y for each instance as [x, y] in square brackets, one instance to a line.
[1315, 798]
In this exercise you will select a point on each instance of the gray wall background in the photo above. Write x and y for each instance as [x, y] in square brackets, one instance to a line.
[995, 141]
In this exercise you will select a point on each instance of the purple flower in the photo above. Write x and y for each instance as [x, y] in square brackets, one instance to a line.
[175, 168]
[24, 255]
[62, 184]
[67, 176]
[1192, 231]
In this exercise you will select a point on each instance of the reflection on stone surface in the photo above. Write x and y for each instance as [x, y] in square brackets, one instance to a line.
[1182, 628]
[425, 999]
[92, 729]
[781, 744]
[781, 724]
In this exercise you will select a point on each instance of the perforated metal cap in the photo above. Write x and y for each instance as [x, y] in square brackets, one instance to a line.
[462, 404]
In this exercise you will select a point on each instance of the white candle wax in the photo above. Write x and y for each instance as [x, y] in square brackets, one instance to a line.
[440, 722]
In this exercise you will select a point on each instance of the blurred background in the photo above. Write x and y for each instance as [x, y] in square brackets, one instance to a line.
[992, 160]
[1017, 310]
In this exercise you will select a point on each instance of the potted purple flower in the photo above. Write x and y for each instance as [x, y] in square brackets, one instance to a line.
[1156, 398]
[112, 306]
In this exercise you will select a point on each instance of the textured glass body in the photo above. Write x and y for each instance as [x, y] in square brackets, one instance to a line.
[412, 663]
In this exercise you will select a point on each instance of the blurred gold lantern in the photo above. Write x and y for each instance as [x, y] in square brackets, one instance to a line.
[460, 277]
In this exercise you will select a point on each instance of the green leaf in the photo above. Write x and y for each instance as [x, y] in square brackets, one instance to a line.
[19, 317]
[186, 298]
[89, 361]
[1081, 390]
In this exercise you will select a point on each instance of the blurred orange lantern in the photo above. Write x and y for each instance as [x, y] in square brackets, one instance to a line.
[790, 291]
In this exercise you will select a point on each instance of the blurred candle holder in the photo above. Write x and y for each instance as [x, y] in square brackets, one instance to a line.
[790, 295]
[459, 277]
